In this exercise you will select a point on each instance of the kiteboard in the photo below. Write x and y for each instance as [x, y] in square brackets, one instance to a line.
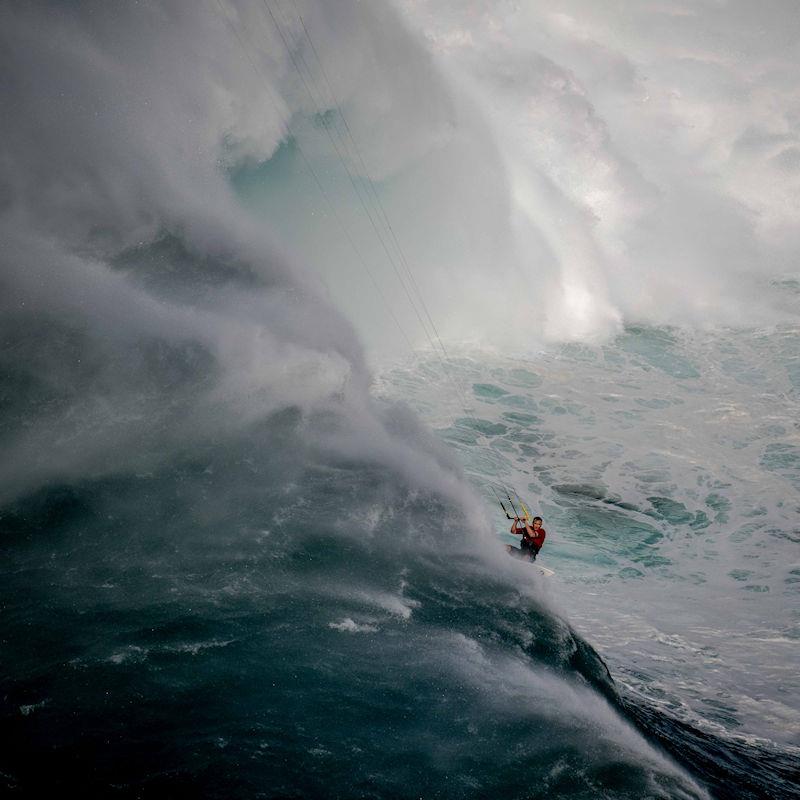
[546, 571]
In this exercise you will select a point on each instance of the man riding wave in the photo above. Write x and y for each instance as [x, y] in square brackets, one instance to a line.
[533, 536]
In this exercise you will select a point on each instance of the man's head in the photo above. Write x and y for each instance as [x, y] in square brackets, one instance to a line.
[537, 522]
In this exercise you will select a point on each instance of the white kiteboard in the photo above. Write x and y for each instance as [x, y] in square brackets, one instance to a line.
[546, 571]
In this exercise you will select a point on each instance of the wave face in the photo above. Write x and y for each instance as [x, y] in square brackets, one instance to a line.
[230, 567]
[224, 627]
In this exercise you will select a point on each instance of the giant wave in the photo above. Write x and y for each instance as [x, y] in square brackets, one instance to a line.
[229, 568]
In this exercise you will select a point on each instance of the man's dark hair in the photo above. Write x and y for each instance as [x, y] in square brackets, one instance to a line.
[539, 518]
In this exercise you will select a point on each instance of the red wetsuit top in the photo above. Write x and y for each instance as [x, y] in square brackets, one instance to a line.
[537, 540]
[529, 542]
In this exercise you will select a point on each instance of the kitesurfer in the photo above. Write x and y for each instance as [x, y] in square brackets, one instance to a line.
[533, 536]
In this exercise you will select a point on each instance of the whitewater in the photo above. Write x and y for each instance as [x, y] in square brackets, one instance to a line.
[289, 290]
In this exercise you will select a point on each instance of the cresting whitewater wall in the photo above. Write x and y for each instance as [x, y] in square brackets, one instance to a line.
[590, 165]
[224, 559]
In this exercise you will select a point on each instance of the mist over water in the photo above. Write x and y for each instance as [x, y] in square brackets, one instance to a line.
[247, 545]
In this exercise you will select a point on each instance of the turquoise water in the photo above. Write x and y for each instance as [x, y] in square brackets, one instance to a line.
[665, 467]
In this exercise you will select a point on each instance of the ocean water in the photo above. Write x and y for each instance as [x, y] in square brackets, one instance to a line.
[261, 617]
[306, 634]
[249, 544]
[665, 466]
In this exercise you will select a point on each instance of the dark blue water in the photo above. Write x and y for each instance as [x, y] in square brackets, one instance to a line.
[223, 628]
